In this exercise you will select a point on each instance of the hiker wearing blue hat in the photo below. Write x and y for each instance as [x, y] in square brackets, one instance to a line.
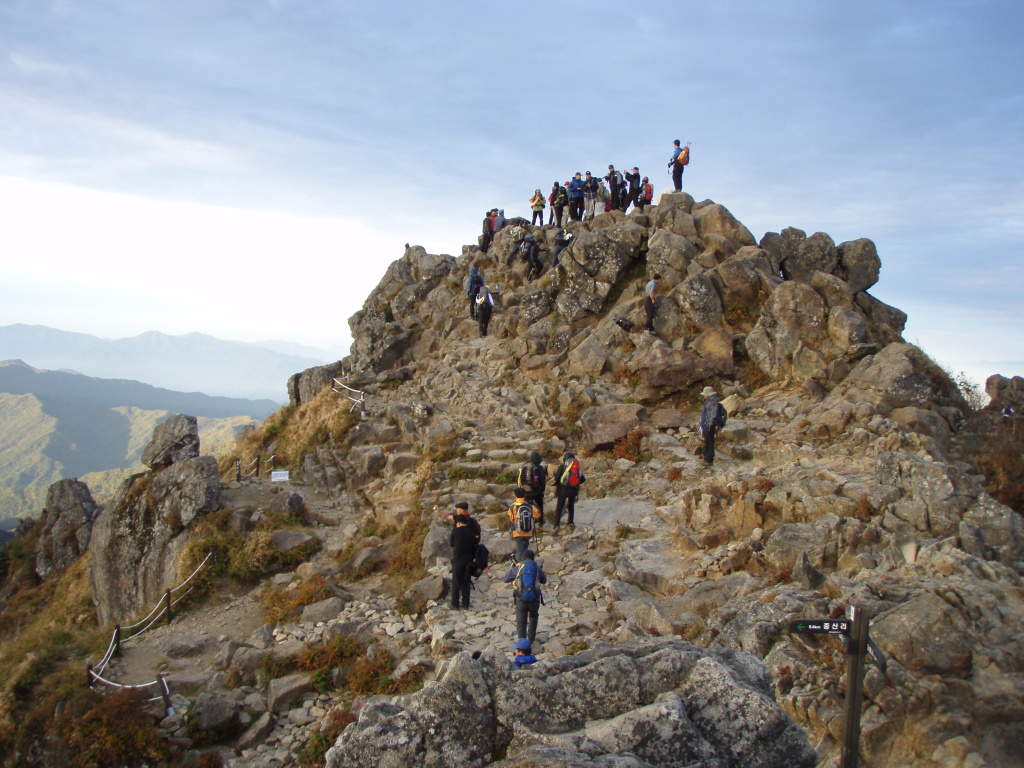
[523, 653]
[526, 577]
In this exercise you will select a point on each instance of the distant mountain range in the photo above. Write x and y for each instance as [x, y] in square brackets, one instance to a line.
[55, 424]
[190, 363]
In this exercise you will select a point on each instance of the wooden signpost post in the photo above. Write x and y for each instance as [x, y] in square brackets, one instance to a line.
[855, 629]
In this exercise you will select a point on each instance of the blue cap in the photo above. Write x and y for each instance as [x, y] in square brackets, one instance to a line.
[522, 644]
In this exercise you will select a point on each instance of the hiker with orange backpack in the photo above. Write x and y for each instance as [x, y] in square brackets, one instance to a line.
[523, 516]
[568, 479]
[680, 159]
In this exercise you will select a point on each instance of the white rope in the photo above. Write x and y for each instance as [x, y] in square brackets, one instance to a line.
[355, 401]
[145, 628]
[179, 599]
[141, 621]
[118, 685]
[198, 568]
[252, 462]
[268, 461]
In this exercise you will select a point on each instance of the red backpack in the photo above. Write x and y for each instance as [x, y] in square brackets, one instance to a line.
[571, 476]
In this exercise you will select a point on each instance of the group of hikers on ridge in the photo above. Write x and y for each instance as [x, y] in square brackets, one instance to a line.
[526, 521]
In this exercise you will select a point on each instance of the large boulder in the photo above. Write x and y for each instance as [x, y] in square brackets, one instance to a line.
[815, 253]
[175, 439]
[714, 219]
[65, 526]
[859, 264]
[137, 540]
[664, 702]
[672, 370]
[604, 424]
[792, 319]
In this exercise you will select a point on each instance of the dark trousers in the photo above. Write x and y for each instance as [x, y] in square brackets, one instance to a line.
[576, 208]
[537, 500]
[556, 212]
[709, 444]
[460, 582]
[483, 312]
[567, 500]
[677, 176]
[486, 241]
[472, 306]
[538, 217]
[630, 198]
[652, 310]
[527, 612]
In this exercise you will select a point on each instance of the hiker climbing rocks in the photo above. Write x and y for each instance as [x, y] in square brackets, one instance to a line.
[463, 540]
[526, 576]
[488, 232]
[533, 477]
[576, 197]
[559, 198]
[474, 283]
[562, 241]
[633, 179]
[523, 516]
[1007, 414]
[651, 301]
[531, 252]
[569, 478]
[712, 417]
[537, 206]
[680, 159]
[522, 651]
[499, 220]
[484, 308]
[519, 236]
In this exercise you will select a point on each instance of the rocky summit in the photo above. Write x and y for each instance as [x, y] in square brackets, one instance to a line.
[852, 472]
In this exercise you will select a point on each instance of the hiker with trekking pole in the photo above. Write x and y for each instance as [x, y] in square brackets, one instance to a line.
[677, 164]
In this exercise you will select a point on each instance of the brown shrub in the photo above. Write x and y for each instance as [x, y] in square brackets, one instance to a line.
[107, 731]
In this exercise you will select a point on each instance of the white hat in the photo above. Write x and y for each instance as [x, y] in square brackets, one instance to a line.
[707, 392]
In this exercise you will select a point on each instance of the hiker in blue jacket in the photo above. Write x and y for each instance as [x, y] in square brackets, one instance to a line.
[523, 653]
[527, 577]
[576, 197]
[710, 421]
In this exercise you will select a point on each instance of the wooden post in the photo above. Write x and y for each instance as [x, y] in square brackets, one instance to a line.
[88, 675]
[117, 640]
[238, 470]
[856, 650]
[258, 461]
[168, 605]
[273, 462]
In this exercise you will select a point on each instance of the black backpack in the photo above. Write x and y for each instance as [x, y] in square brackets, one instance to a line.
[480, 559]
[524, 518]
[560, 197]
[721, 417]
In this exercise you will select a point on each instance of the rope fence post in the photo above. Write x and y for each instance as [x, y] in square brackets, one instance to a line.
[117, 640]
[238, 470]
[167, 596]
[88, 675]
[258, 462]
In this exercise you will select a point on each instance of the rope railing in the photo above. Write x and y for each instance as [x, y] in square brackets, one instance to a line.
[253, 467]
[356, 401]
[94, 673]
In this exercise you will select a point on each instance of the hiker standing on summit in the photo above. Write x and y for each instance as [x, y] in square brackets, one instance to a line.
[568, 478]
[680, 159]
[537, 206]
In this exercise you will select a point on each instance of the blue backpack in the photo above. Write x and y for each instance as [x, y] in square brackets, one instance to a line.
[526, 585]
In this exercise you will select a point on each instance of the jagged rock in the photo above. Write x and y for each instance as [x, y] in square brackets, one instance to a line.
[427, 588]
[137, 539]
[304, 386]
[670, 255]
[646, 564]
[291, 504]
[65, 526]
[792, 319]
[791, 541]
[190, 645]
[605, 424]
[808, 576]
[699, 301]
[668, 702]
[715, 219]
[257, 732]
[364, 561]
[1003, 391]
[859, 264]
[175, 439]
[815, 253]
[926, 634]
[324, 610]
[673, 369]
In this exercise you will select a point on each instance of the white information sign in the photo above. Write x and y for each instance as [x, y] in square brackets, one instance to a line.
[279, 476]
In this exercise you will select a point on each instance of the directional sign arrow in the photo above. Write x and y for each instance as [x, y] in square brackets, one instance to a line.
[825, 626]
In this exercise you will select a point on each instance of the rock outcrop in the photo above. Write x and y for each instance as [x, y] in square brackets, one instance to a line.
[65, 526]
[137, 539]
[662, 703]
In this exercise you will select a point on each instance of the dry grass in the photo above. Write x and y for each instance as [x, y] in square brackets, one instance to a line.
[286, 604]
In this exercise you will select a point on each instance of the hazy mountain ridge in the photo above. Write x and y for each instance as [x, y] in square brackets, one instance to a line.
[55, 425]
[188, 363]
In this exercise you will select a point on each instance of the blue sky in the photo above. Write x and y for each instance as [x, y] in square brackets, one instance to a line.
[248, 169]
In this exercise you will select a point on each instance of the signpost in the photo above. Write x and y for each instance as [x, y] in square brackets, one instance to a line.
[855, 630]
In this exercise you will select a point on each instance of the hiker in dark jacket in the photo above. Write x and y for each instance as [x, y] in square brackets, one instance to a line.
[634, 189]
[484, 309]
[558, 199]
[614, 179]
[499, 221]
[566, 491]
[576, 197]
[474, 283]
[463, 540]
[709, 423]
[528, 601]
[533, 477]
[488, 232]
[591, 187]
[562, 241]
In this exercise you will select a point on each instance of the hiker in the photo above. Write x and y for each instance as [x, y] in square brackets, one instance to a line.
[537, 206]
[614, 179]
[526, 576]
[680, 159]
[558, 198]
[646, 195]
[533, 476]
[523, 517]
[488, 229]
[712, 417]
[562, 241]
[531, 252]
[484, 308]
[522, 653]
[499, 221]
[590, 188]
[576, 197]
[568, 478]
[474, 283]
[462, 508]
[651, 301]
[463, 541]
[519, 235]
[1007, 414]
[634, 189]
